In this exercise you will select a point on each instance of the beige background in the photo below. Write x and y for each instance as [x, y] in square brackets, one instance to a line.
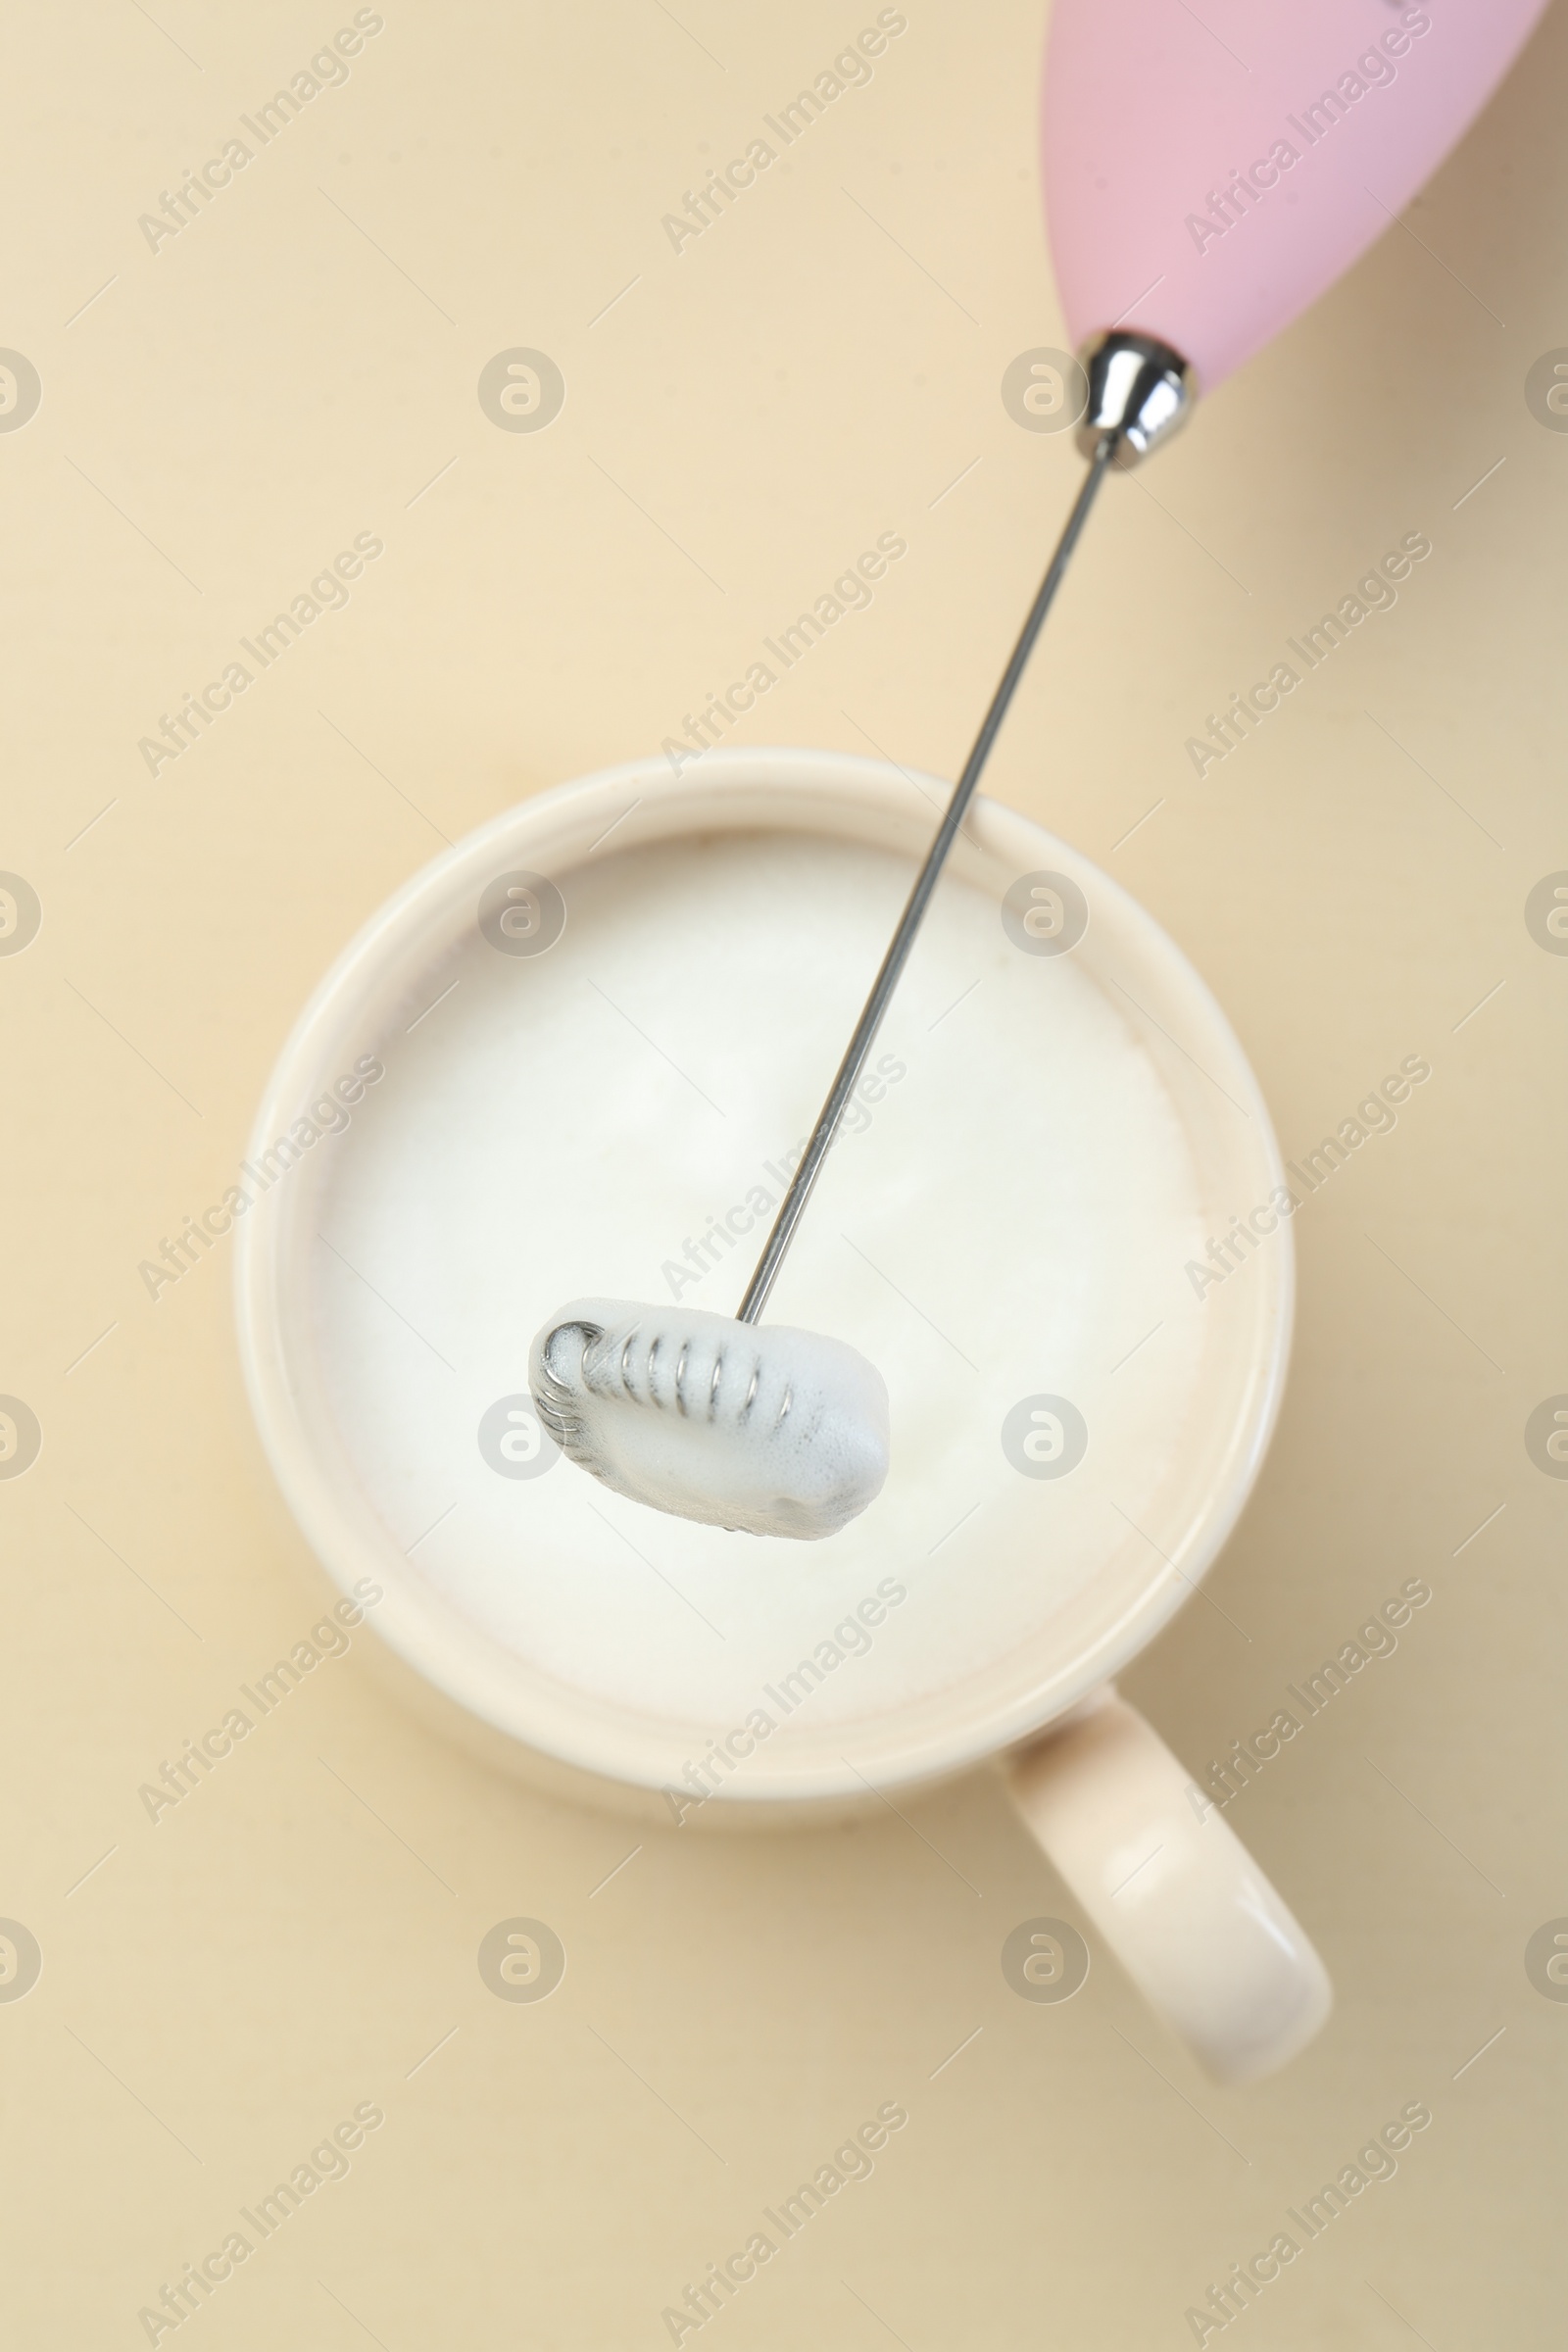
[216, 423]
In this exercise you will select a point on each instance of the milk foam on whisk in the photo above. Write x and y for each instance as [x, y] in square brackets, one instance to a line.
[773, 1432]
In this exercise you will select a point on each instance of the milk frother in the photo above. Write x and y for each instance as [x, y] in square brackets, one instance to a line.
[1207, 178]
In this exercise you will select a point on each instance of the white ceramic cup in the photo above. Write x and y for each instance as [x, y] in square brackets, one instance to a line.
[1155, 1866]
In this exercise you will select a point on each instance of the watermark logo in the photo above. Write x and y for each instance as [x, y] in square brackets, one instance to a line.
[1547, 391]
[1547, 1960]
[1377, 2161]
[19, 391]
[1545, 913]
[1238, 195]
[521, 390]
[1045, 1436]
[1045, 914]
[522, 913]
[1376, 1637]
[328, 2161]
[851, 592]
[1044, 1960]
[20, 915]
[522, 1960]
[514, 1440]
[1546, 1437]
[20, 1437]
[197, 1760]
[854, 2161]
[22, 1962]
[1229, 729]
[850, 71]
[328, 592]
[327, 70]
[1045, 391]
[327, 1115]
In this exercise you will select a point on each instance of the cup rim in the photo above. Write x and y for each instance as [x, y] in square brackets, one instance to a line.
[735, 790]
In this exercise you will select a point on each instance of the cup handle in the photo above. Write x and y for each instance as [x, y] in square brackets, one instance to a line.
[1172, 1890]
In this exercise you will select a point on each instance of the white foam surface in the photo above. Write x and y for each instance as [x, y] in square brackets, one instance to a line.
[1012, 1219]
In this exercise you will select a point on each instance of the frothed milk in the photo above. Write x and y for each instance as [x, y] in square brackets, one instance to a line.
[1010, 1222]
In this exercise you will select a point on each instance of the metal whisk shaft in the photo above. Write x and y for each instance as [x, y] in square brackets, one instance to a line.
[903, 940]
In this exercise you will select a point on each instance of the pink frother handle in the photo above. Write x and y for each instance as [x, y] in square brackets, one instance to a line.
[1209, 171]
